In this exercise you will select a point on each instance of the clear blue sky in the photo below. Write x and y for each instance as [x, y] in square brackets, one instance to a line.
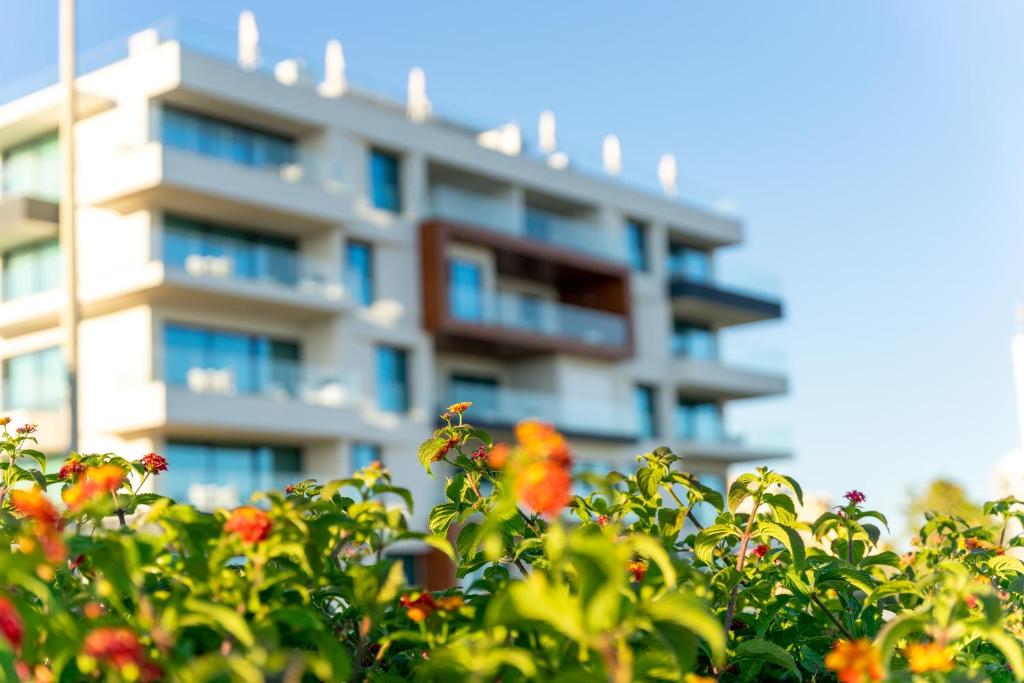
[875, 149]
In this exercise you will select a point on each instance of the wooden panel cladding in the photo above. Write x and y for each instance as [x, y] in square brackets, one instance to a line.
[580, 280]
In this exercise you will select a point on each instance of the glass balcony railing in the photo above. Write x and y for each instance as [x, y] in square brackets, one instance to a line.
[506, 406]
[500, 215]
[539, 316]
[755, 438]
[276, 379]
[729, 276]
[44, 393]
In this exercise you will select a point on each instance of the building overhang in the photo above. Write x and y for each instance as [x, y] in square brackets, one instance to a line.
[26, 219]
[704, 302]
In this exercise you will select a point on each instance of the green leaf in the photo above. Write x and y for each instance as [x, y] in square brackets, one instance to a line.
[429, 450]
[767, 651]
[441, 517]
[443, 544]
[687, 611]
[740, 490]
[787, 537]
[227, 618]
[891, 588]
[708, 538]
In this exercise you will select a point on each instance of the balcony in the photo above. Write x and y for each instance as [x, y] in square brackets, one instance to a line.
[26, 219]
[289, 197]
[754, 443]
[45, 405]
[495, 214]
[586, 313]
[503, 407]
[734, 368]
[722, 299]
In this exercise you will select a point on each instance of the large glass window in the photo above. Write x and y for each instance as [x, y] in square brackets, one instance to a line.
[216, 137]
[466, 289]
[364, 454]
[218, 361]
[636, 242]
[32, 168]
[646, 412]
[699, 421]
[694, 341]
[35, 381]
[359, 271]
[392, 379]
[385, 187]
[689, 263]
[481, 391]
[201, 247]
[225, 475]
[30, 269]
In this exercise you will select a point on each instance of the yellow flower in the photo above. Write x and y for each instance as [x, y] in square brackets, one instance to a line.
[449, 603]
[694, 678]
[855, 661]
[460, 407]
[925, 657]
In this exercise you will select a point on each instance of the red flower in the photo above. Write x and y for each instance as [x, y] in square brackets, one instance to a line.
[420, 608]
[154, 463]
[761, 550]
[289, 489]
[602, 520]
[70, 469]
[638, 568]
[855, 497]
[544, 486]
[115, 645]
[26, 429]
[449, 444]
[250, 524]
[11, 625]
[479, 454]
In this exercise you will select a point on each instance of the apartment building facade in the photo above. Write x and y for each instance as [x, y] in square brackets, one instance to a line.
[276, 284]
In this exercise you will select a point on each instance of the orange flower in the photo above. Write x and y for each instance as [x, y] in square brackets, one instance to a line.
[115, 645]
[925, 657]
[544, 486]
[250, 524]
[33, 504]
[460, 407]
[541, 439]
[638, 568]
[855, 661]
[93, 610]
[420, 608]
[107, 477]
[694, 678]
[450, 603]
[93, 482]
[498, 456]
[11, 626]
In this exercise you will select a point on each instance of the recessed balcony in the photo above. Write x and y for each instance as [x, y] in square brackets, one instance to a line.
[719, 379]
[26, 219]
[755, 443]
[721, 299]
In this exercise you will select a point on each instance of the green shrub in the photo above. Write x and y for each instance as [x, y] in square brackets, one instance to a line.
[621, 584]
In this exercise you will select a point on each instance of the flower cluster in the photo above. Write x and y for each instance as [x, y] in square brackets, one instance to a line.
[119, 648]
[93, 483]
[45, 522]
[855, 497]
[925, 657]
[153, 463]
[542, 479]
[856, 661]
[249, 523]
[423, 605]
[11, 625]
[638, 568]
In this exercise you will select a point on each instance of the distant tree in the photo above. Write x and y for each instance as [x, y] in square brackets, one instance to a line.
[945, 496]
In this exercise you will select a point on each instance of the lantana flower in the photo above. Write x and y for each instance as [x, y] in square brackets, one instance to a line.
[855, 497]
[925, 657]
[249, 523]
[11, 625]
[856, 661]
[153, 463]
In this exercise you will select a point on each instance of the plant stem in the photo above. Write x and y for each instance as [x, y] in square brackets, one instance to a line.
[832, 617]
[740, 559]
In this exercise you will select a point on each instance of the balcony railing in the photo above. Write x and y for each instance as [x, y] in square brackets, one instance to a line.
[538, 316]
[728, 276]
[499, 215]
[259, 376]
[755, 438]
[506, 406]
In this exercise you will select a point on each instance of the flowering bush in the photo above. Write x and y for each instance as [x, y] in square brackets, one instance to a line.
[620, 582]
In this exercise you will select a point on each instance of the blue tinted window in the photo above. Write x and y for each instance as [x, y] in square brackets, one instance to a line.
[222, 139]
[392, 379]
[224, 475]
[636, 242]
[364, 454]
[359, 271]
[483, 392]
[699, 421]
[31, 269]
[384, 184]
[694, 341]
[689, 263]
[240, 362]
[466, 290]
[35, 381]
[647, 412]
[247, 254]
[32, 169]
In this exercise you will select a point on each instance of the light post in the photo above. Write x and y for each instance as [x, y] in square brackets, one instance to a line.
[67, 231]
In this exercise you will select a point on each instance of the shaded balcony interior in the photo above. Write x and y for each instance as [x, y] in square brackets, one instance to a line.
[509, 296]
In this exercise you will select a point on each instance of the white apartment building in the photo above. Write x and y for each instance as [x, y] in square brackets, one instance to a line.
[280, 281]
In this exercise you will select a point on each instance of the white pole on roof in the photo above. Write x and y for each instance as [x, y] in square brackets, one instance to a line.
[547, 140]
[417, 104]
[668, 175]
[334, 84]
[248, 41]
[67, 218]
[612, 155]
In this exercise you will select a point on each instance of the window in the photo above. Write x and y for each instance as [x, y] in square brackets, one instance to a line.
[392, 379]
[466, 289]
[35, 381]
[218, 361]
[694, 341]
[246, 254]
[359, 271]
[646, 412]
[222, 139]
[699, 421]
[33, 168]
[689, 263]
[636, 242]
[483, 392]
[31, 269]
[362, 455]
[385, 190]
[411, 568]
[225, 475]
